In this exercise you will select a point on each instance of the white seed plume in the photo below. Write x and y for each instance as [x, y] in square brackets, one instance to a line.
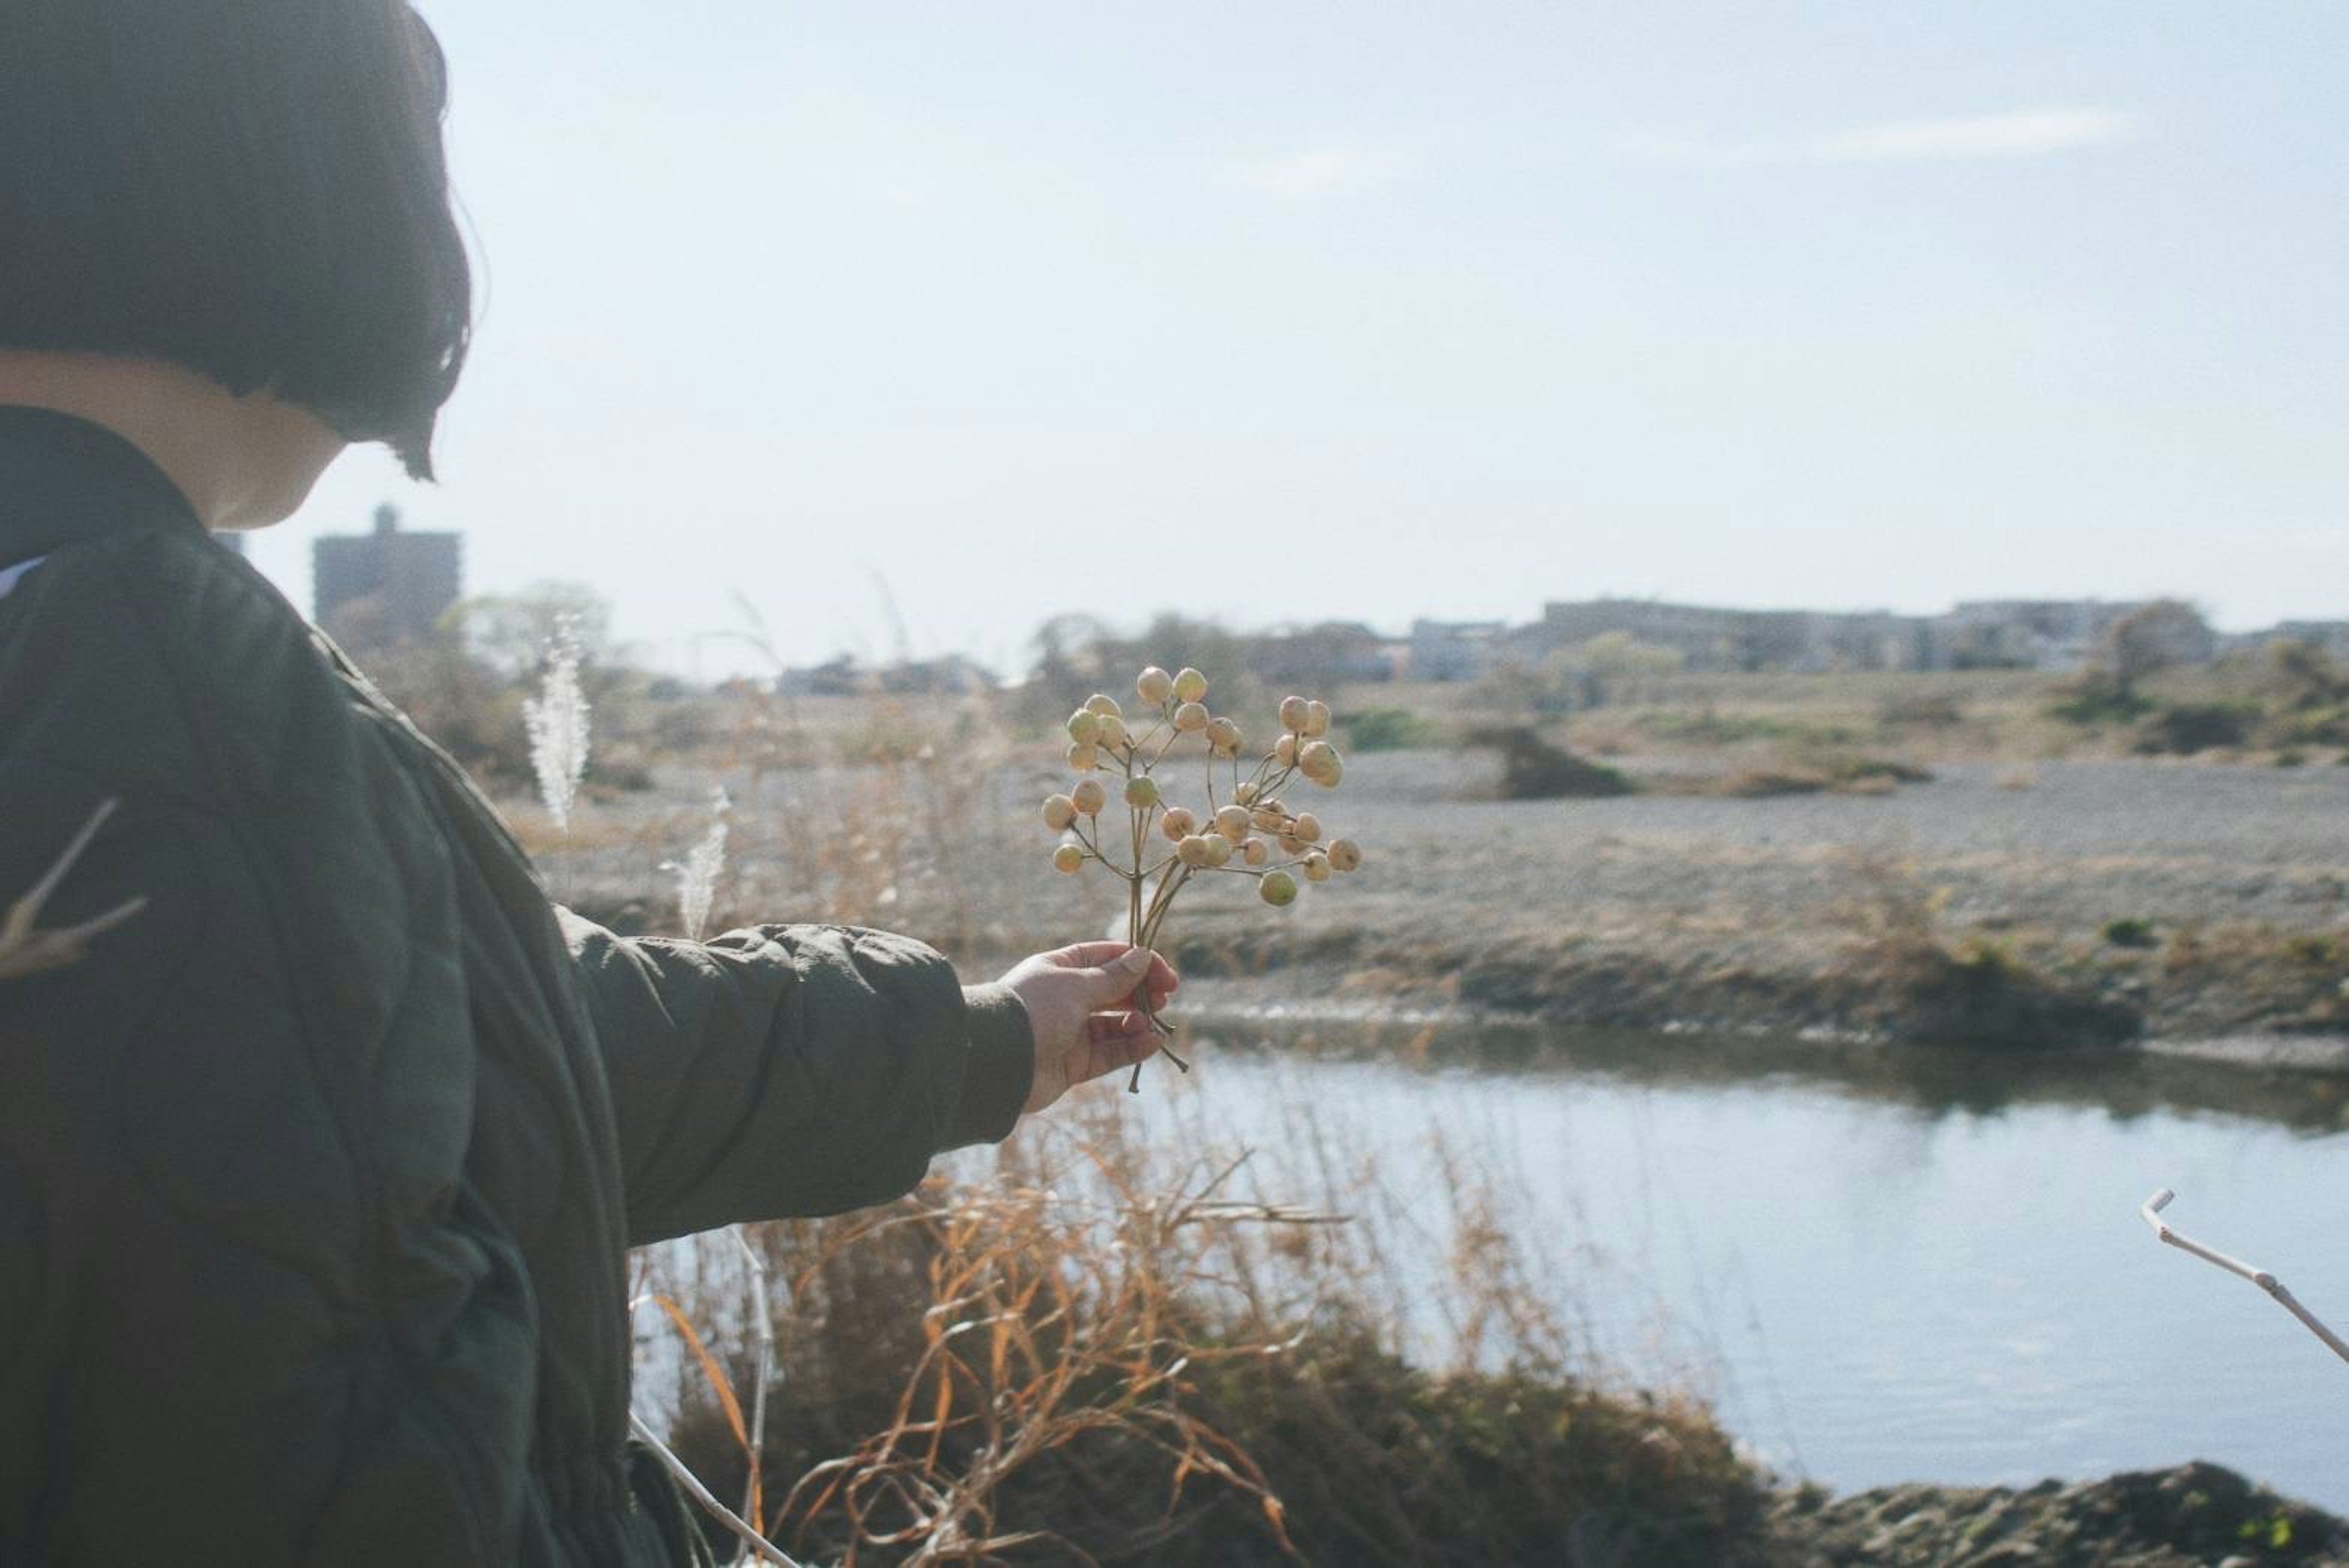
[697, 878]
[557, 721]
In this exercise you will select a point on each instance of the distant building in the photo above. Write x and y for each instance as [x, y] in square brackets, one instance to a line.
[1456, 650]
[1708, 638]
[388, 586]
[2025, 633]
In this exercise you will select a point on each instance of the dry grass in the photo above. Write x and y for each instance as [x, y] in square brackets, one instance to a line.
[1101, 1352]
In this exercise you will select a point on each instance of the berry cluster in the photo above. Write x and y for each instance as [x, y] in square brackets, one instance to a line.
[1245, 828]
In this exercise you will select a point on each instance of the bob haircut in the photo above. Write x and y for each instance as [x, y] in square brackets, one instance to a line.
[254, 190]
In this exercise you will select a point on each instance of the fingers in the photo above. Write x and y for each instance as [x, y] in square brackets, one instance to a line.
[1164, 981]
[1089, 954]
[1116, 980]
[1116, 1042]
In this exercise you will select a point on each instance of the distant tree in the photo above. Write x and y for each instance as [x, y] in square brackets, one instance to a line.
[2301, 675]
[1621, 653]
[1614, 663]
[2149, 639]
[1077, 654]
[512, 630]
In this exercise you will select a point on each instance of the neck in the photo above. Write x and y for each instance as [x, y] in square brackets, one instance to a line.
[242, 462]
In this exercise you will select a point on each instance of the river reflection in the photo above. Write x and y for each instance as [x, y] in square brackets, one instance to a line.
[1882, 1265]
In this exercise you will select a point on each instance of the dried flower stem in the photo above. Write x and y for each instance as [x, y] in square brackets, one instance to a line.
[27, 950]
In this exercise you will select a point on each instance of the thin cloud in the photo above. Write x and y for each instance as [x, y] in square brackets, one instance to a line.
[1320, 170]
[2031, 133]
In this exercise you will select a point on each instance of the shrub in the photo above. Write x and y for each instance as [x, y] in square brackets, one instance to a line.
[1387, 729]
[2313, 948]
[2130, 931]
[2097, 698]
[2183, 728]
[1921, 712]
[1534, 769]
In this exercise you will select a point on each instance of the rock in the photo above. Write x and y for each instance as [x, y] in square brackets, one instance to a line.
[2192, 1514]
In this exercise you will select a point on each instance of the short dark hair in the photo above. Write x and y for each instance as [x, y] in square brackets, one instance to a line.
[254, 190]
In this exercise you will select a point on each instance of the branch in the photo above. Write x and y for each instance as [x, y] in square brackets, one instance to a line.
[2150, 1212]
[756, 1543]
[26, 950]
[763, 1321]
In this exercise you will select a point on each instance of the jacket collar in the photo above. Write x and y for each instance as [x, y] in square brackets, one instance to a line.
[65, 479]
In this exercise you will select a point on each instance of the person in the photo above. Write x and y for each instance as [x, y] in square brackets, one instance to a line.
[320, 1157]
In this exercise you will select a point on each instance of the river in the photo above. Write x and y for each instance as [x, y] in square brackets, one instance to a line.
[1879, 1266]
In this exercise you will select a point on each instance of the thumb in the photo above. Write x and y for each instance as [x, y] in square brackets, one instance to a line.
[1115, 981]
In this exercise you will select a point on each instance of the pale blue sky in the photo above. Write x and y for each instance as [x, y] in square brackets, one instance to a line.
[1285, 312]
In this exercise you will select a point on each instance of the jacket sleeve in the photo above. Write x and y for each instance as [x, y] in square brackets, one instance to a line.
[792, 1069]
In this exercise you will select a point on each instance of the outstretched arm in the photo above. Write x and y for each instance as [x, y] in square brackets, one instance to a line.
[809, 1069]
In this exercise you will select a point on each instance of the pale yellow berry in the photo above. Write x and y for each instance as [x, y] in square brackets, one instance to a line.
[1060, 810]
[1192, 851]
[1284, 751]
[1256, 851]
[1317, 720]
[1219, 850]
[1103, 704]
[1294, 712]
[1083, 758]
[1317, 868]
[1345, 854]
[1290, 844]
[1190, 686]
[1112, 729]
[1319, 762]
[1142, 791]
[1067, 858]
[1154, 686]
[1233, 822]
[1307, 827]
[1271, 818]
[1244, 793]
[1089, 797]
[1277, 889]
[1223, 737]
[1084, 726]
[1177, 821]
[1191, 716]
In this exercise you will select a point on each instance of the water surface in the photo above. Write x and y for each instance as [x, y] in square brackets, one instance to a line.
[1881, 1269]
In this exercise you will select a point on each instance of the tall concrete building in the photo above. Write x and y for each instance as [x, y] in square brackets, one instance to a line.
[388, 586]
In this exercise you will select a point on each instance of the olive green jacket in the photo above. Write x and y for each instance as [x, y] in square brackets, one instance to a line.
[317, 1176]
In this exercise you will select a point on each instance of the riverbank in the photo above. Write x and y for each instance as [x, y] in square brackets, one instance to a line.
[2095, 904]
[2074, 905]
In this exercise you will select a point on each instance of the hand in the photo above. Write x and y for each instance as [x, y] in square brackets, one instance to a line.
[1082, 1008]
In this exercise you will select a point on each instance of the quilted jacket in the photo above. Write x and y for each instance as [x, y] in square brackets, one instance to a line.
[318, 1175]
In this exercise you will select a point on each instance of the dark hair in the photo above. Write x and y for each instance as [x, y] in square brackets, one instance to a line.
[253, 189]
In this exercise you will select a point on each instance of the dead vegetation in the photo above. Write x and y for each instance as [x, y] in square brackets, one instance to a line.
[1099, 1353]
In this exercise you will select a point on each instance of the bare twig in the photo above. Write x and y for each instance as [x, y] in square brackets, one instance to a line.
[25, 949]
[762, 1323]
[2150, 1212]
[766, 1550]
